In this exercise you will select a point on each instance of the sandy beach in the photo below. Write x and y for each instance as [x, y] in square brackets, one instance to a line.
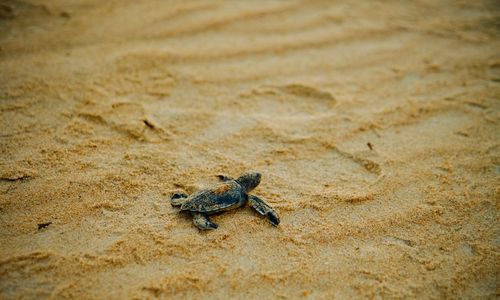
[375, 126]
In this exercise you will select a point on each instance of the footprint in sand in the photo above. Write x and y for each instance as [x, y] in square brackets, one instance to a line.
[295, 99]
[128, 118]
[286, 101]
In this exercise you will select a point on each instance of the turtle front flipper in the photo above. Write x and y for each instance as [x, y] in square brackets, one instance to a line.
[202, 221]
[262, 208]
[224, 177]
[178, 199]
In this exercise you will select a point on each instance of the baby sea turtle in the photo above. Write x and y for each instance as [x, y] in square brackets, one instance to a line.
[229, 194]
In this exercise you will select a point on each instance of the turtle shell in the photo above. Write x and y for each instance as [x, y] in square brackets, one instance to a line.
[224, 196]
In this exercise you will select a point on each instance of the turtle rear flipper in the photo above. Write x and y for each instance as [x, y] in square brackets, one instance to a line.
[202, 221]
[178, 199]
[262, 208]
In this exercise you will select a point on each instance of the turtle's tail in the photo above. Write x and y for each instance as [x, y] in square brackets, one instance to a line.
[178, 199]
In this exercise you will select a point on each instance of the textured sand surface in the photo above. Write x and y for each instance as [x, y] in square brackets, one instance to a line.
[375, 125]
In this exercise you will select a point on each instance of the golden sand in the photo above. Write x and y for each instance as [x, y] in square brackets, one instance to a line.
[375, 125]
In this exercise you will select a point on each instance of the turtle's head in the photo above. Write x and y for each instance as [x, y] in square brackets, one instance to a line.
[249, 180]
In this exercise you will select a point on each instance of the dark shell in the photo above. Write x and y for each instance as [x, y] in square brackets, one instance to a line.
[222, 197]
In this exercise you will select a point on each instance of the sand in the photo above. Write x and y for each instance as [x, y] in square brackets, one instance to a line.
[375, 125]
